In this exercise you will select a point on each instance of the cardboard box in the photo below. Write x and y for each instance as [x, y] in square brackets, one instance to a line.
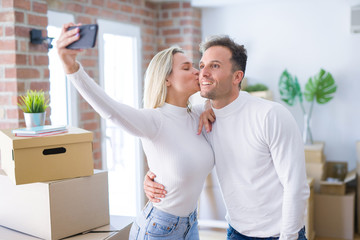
[315, 171]
[40, 159]
[118, 229]
[331, 171]
[57, 209]
[309, 222]
[334, 216]
[315, 153]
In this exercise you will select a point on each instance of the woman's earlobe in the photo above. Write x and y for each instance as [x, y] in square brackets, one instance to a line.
[167, 83]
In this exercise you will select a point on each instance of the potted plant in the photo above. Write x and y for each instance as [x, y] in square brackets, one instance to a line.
[320, 88]
[258, 90]
[33, 104]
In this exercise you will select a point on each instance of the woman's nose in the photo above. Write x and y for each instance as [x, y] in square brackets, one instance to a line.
[196, 72]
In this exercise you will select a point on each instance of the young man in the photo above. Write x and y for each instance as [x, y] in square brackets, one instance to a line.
[259, 154]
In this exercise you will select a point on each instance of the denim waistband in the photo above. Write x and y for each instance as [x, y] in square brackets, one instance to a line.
[150, 209]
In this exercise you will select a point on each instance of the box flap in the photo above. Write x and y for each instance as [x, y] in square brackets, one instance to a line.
[350, 176]
[74, 135]
[316, 146]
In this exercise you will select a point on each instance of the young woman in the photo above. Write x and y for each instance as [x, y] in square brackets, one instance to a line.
[180, 158]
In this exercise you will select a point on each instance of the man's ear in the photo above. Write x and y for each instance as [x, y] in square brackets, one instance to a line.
[238, 76]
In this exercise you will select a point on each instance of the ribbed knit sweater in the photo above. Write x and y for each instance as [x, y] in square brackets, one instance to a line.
[260, 163]
[179, 157]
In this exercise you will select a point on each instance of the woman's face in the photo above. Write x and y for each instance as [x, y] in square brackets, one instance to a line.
[184, 78]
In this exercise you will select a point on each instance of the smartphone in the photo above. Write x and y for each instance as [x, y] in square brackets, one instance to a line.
[87, 38]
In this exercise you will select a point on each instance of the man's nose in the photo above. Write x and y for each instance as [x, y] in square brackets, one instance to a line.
[204, 72]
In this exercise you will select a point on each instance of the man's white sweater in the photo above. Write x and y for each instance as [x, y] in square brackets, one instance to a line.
[259, 157]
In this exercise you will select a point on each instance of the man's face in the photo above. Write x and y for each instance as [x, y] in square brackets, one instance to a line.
[216, 74]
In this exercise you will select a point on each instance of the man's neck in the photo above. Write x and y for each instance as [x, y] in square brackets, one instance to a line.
[223, 102]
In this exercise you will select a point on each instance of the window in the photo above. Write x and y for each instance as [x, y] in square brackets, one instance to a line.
[63, 95]
[119, 50]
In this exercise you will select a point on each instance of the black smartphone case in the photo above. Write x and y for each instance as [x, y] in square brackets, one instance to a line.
[87, 39]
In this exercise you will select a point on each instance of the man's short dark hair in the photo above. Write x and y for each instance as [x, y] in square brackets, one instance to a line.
[238, 52]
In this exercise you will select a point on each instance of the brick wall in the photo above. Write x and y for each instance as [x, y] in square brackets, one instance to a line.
[24, 65]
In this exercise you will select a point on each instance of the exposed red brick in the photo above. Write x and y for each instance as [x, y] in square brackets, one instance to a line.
[46, 73]
[40, 60]
[148, 48]
[14, 100]
[39, 7]
[186, 22]
[7, 44]
[122, 17]
[136, 20]
[19, 17]
[171, 5]
[7, 3]
[9, 125]
[186, 5]
[1, 31]
[165, 23]
[10, 72]
[21, 59]
[73, 7]
[9, 31]
[20, 86]
[89, 62]
[113, 5]
[174, 40]
[99, 3]
[91, 10]
[88, 116]
[127, 9]
[91, 126]
[171, 31]
[84, 20]
[12, 113]
[4, 100]
[23, 4]
[8, 58]
[165, 14]
[7, 86]
[7, 17]
[107, 13]
[149, 30]
[45, 86]
[26, 73]
[22, 31]
[37, 20]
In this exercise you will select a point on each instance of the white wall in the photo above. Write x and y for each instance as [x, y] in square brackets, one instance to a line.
[301, 36]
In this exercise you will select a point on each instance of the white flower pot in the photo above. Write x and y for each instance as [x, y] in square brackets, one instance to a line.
[34, 119]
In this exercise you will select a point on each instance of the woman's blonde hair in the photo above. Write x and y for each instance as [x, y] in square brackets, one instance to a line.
[156, 74]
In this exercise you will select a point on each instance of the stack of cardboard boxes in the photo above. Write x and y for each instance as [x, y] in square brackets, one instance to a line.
[48, 185]
[334, 200]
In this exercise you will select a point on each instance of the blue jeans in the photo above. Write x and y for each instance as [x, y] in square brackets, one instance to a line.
[232, 234]
[152, 223]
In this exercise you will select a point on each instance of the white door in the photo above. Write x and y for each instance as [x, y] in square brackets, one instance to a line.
[119, 51]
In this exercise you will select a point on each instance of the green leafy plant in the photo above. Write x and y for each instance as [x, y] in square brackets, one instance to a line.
[256, 88]
[319, 88]
[33, 102]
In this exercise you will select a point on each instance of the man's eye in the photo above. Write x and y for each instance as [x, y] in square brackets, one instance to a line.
[215, 66]
[201, 66]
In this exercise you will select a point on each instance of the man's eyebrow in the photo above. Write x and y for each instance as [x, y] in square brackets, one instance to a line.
[212, 61]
